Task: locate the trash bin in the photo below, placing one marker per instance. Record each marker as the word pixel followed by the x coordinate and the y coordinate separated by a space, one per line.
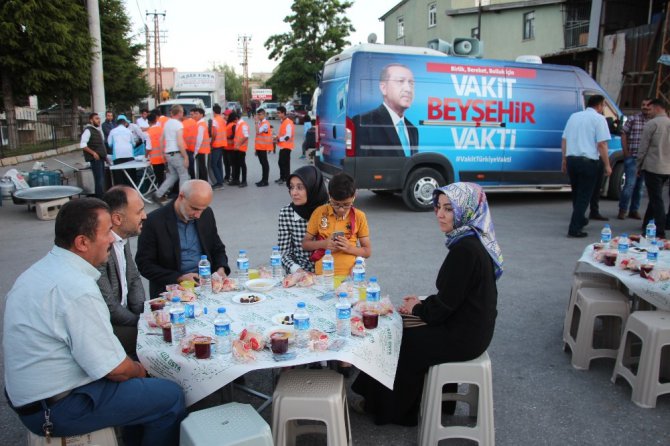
pixel 85 180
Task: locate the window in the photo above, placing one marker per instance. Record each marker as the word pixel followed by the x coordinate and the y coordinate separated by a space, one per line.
pixel 474 33
pixel 401 27
pixel 529 25
pixel 432 15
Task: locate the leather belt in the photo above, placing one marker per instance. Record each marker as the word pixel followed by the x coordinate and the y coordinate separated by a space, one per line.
pixel 172 153
pixel 33 408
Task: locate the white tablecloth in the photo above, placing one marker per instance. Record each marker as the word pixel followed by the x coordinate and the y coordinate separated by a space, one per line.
pixel 376 354
pixel 656 293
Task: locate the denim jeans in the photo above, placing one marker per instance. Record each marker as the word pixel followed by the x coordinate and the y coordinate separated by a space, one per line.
pixel 217 166
pixel 632 189
pixel 98 170
pixel 150 409
pixel 583 173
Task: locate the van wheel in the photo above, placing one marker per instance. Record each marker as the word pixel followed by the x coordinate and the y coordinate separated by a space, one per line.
pixel 616 182
pixel 418 191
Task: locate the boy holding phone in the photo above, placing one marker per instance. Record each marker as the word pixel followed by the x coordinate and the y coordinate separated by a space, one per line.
pixel 340 227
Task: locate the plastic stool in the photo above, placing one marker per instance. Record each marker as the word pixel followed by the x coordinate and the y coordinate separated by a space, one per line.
pixel 103 437
pixel 480 400
pixel 584 280
pixel 310 395
pixel 592 303
pixel 232 424
pixel 644 372
pixel 48 210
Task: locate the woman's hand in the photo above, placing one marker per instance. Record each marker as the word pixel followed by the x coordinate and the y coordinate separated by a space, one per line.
pixel 408 304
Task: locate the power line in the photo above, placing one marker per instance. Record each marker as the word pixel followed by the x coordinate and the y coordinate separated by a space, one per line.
pixel 137 2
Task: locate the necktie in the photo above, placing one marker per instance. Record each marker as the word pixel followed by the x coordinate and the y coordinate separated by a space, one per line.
pixel 403 137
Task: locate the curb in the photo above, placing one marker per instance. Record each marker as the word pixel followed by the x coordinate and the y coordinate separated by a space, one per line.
pixel 14 160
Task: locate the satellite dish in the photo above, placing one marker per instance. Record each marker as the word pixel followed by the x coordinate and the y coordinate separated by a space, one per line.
pixel 372 38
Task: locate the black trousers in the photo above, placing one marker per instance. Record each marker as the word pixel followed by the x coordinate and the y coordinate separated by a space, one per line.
pixel 265 166
pixel 120 177
pixel 227 163
pixel 583 173
pixel 159 171
pixel 656 208
pixel 594 206
pixel 284 164
pixel 239 165
pixel 201 159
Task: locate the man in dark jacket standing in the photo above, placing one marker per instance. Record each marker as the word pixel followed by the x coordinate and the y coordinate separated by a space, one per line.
pixel 95 152
pixel 176 235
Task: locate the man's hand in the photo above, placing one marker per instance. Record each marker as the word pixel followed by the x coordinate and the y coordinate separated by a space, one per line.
pixel 608 170
pixel 186 162
pixel 193 277
pixel 222 272
pixel 96 156
pixel 564 165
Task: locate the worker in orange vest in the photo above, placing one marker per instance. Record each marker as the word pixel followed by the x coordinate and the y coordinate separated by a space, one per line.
pixel 201 148
pixel 240 141
pixel 160 118
pixel 154 151
pixel 219 142
pixel 229 148
pixel 190 134
pixel 263 145
pixel 285 142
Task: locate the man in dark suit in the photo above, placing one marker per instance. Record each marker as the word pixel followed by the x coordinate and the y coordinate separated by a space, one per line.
pixel 120 282
pixel 385 131
pixel 176 235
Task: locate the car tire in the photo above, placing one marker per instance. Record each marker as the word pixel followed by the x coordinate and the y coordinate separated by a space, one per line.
pixel 616 182
pixel 418 191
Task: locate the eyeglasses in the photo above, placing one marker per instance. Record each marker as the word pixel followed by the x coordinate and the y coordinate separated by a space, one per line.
pixel 298 187
pixel 337 205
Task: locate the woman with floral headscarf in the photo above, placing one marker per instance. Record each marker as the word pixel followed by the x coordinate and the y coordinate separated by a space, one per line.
pixel 454 325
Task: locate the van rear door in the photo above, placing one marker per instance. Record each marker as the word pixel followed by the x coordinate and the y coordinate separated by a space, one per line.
pixel 331 112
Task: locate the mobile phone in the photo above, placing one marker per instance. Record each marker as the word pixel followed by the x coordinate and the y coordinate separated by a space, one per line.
pixel 337 234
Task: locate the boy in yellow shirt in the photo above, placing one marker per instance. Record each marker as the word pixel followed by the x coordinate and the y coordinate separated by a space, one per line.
pixel 340 227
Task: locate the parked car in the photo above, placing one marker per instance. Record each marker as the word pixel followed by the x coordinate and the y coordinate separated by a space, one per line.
pixel 234 106
pixel 55 113
pixel 270 109
pixel 297 113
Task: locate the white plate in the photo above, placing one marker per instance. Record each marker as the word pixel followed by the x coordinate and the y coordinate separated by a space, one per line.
pixel 279 317
pixel 238 297
pixel 284 328
pixel 259 284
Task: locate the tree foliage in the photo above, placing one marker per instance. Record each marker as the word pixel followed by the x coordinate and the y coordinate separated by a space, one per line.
pixel 319 30
pixel 233 83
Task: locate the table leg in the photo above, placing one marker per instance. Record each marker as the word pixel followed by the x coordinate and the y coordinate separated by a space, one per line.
pixel 136 186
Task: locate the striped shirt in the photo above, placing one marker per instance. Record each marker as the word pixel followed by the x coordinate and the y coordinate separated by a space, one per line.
pixel 292 229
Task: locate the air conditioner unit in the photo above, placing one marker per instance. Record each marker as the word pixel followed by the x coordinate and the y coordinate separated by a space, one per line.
pixel 439 45
pixel 467 47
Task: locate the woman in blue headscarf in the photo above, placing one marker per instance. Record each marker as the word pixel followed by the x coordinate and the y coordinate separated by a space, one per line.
pixel 454 325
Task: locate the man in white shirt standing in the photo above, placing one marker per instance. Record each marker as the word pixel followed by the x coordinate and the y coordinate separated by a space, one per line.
pixel 584 141
pixel 142 121
pixel 65 372
pixel 175 153
pixel 121 141
pixel 120 282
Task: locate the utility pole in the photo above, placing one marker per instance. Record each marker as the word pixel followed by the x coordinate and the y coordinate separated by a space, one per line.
pixel 97 81
pixel 158 68
pixel 243 40
pixel 147 48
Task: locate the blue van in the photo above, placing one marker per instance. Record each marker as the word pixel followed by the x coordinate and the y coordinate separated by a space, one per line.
pixel 406 119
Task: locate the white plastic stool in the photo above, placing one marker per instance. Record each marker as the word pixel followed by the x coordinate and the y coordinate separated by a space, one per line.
pixel 653 329
pixel 480 400
pixel 232 424
pixel 584 280
pixel 48 210
pixel 310 395
pixel 592 303
pixel 103 437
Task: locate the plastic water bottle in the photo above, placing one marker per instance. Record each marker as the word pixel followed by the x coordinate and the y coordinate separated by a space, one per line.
pixel 275 264
pixel 624 243
pixel 301 324
pixel 343 315
pixel 359 279
pixel 178 320
pixel 328 268
pixel 650 233
pixel 652 252
pixel 373 291
pixel 243 266
pixel 205 273
pixel 222 332
pixel 606 236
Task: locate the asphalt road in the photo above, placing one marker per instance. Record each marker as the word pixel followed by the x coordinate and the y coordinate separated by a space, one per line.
pixel 539 398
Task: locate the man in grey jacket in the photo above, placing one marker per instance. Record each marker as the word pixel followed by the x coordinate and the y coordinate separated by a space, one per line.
pixel 120 282
pixel 653 161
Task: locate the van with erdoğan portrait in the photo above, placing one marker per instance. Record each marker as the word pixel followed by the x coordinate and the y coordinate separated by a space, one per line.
pixel 407 120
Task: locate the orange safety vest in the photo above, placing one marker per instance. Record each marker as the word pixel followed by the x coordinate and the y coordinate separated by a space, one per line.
pixel 204 145
pixel 230 136
pixel 239 135
pixel 162 120
pixel 190 133
pixel 282 134
pixel 155 155
pixel 221 138
pixel 263 140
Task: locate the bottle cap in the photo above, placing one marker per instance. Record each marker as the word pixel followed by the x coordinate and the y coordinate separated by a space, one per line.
pixel 176 299
pixel 342 295
pixel 275 248
pixel 203 257
pixel 221 310
pixel 328 252
pixel 373 279
pixel 607 225
pixel 359 262
pixel 301 304
pixel 624 235
pixel 651 222
pixel 243 251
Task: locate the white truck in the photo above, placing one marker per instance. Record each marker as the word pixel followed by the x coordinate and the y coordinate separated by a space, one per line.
pixel 208 86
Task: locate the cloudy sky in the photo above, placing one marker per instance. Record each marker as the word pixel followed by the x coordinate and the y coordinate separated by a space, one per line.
pixel 203 32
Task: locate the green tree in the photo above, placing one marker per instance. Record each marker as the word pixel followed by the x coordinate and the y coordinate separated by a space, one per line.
pixel 233 83
pixel 125 84
pixel 318 31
